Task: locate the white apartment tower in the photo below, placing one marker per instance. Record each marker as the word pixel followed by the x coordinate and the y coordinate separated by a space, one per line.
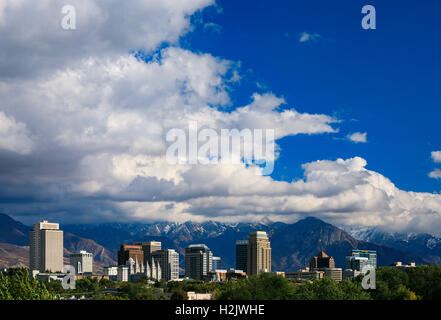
pixel 82 262
pixel 46 247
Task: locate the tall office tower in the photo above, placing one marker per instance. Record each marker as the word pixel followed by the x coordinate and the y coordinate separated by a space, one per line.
pixel 322 260
pixel 217 263
pixel 361 259
pixel 46 247
pixel 127 251
pixel 148 248
pixel 168 261
pixel 82 262
pixel 198 261
pixel 242 255
pixel 259 253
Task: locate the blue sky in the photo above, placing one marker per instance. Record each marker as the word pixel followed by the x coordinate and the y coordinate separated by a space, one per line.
pixel 385 82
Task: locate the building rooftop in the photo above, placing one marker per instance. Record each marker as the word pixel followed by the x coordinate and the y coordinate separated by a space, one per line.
pixel 322 254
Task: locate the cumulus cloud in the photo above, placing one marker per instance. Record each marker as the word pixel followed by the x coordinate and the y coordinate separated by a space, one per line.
pixel 33 40
pixel 436 156
pixel 14 136
pixel 358 137
pixel 436 174
pixel 343 192
pixel 306 36
pixel 98 116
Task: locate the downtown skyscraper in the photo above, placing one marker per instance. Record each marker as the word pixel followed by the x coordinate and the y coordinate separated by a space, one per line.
pixel 259 253
pixel 198 261
pixel 46 247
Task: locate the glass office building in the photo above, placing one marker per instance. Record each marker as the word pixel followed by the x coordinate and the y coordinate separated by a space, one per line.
pixel 361 259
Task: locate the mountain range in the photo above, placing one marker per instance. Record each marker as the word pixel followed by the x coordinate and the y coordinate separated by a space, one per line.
pixel 422 244
pixel 293 245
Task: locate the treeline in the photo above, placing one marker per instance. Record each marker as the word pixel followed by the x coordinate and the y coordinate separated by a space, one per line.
pixel 419 283
pixel 17 285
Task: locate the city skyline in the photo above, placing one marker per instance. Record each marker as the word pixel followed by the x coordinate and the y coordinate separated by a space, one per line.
pixel 163 264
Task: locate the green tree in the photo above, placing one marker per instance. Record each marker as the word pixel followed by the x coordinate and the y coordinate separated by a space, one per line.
pixel 425 281
pixel 87 285
pixel 352 290
pixel 4 287
pixel 320 289
pixel 20 286
pixel 136 291
pixel 329 289
pixel 391 284
pixel 179 294
pixel 106 283
pixel 264 286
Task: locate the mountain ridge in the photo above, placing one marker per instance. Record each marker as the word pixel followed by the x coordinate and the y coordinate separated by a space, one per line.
pixel 293 245
pixel 221 238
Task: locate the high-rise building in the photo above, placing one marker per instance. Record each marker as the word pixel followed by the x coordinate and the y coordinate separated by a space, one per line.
pixel 326 264
pixel 148 248
pixel 130 251
pixel 259 253
pixel 46 247
pixel 217 263
pixel 82 261
pixel 333 273
pixel 168 261
pixel 322 260
pixel 122 274
pixel 359 260
pixel 242 255
pixel 198 261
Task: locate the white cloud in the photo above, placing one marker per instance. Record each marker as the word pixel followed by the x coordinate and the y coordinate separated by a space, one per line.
pixel 343 192
pixel 14 136
pixel 213 27
pixel 358 137
pixel 436 156
pixel 33 41
pixel 305 37
pixel 436 174
pixel 101 126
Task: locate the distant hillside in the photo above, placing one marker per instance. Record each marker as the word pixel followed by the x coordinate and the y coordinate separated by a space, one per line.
pixel 13 232
pixel 293 245
pixel 12 255
pixel 101 256
pixel 422 244
pixel 14 246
